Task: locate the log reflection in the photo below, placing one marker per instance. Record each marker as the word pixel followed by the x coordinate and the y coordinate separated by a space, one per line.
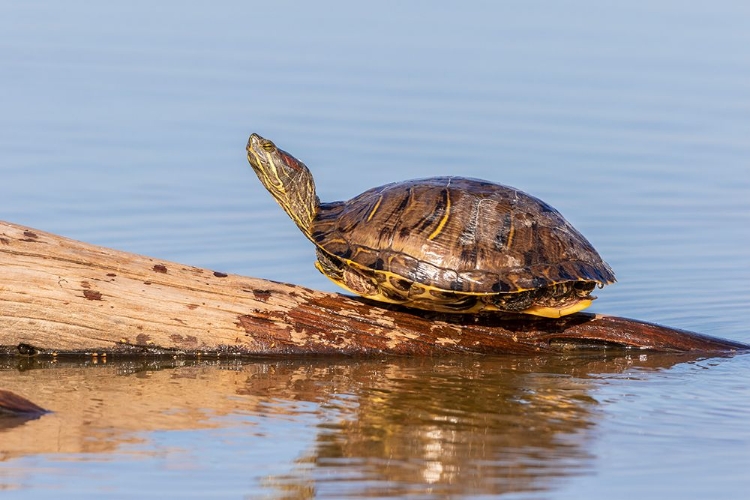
pixel 381 427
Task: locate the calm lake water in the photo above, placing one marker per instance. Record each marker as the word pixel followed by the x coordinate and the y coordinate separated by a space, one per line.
pixel 124 125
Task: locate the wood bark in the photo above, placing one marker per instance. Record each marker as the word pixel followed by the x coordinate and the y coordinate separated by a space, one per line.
pixel 61 296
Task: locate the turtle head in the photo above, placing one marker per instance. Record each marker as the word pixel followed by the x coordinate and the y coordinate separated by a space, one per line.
pixel 287 179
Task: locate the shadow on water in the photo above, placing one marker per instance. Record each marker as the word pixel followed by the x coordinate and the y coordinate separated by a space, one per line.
pixel 392 426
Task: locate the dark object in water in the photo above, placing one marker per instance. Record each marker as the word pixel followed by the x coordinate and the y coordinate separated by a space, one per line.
pixel 11 404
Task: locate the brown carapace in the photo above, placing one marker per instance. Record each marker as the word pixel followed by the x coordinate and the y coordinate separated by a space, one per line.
pixel 447 244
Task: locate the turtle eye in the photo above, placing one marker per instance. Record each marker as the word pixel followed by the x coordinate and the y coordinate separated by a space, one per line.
pixel 268 146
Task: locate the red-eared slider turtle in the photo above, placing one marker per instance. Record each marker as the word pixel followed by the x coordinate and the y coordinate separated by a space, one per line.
pixel 447 244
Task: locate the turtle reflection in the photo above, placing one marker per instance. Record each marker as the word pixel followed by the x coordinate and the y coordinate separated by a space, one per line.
pixel 444 427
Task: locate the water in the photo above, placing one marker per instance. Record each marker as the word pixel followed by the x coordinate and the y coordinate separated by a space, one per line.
pixel 462 426
pixel 124 125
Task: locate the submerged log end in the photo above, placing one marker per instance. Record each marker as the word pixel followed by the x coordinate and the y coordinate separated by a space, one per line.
pixel 631 333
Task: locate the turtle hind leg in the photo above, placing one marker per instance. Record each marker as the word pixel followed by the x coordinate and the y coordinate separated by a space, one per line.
pixel 553 301
pixel 561 299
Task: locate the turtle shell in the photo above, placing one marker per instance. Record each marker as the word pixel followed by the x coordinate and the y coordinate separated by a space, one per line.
pixel 458 235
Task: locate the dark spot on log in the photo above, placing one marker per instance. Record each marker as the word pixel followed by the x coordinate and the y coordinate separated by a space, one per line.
pixel 270 331
pixel 262 295
pixel 188 340
pixel 30 234
pixel 160 268
pixel 220 274
pixel 142 339
pixel 27 349
pixel 92 295
pixel 111 275
pixel 85 284
pixel 146 282
pixel 4 241
pixel 192 306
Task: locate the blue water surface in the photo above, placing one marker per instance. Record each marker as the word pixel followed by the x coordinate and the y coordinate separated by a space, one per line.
pixel 124 125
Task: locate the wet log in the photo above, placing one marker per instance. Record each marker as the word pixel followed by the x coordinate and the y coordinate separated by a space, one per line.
pixel 61 296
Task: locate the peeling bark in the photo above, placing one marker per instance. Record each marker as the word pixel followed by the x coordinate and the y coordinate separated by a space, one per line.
pixel 63 296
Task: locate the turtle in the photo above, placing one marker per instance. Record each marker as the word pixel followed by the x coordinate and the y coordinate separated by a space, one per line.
pixel 442 244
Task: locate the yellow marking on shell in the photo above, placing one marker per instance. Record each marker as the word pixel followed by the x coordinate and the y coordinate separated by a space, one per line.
pixel 543 311
pixel 445 218
pixel 557 312
pixel 377 297
pixel 510 234
pixel 333 241
pixel 375 208
pixel 383 298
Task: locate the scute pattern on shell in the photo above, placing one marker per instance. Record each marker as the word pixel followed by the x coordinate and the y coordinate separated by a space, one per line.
pixel 459 234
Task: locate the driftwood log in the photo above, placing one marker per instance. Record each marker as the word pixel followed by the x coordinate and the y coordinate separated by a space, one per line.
pixel 61 296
